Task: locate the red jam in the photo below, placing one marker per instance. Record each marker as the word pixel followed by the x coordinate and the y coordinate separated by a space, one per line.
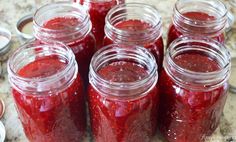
pixel 156 48
pixel 51 117
pixel 98 11
pixel 82 48
pixel 186 115
pixel 121 119
pixel 198 16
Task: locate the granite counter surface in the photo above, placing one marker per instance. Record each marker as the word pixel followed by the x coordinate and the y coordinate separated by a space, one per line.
pixel 12 10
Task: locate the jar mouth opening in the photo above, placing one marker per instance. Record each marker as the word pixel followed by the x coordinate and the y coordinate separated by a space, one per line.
pixel 217 6
pixel 123 52
pixel 211 48
pixel 29 52
pixel 80 13
pixel 145 13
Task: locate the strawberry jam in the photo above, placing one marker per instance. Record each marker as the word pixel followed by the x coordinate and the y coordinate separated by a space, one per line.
pixel 48 94
pixel 174 33
pixel 119 111
pixel 193 94
pixel 133 23
pixel 98 11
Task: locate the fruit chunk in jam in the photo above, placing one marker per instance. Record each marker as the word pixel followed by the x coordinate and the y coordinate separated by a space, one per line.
pixel 117 118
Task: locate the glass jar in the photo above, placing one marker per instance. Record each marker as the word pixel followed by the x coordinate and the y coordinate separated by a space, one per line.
pixel 136 23
pixel 48 92
pixel 194 88
pixel 98 10
pixel 69 23
pixel 123 95
pixel 202 18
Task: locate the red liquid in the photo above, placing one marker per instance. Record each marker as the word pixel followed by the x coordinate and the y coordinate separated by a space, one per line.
pixel 198 16
pixel 82 48
pixel 156 48
pixel 186 115
pixel 51 117
pixel 98 11
pixel 117 119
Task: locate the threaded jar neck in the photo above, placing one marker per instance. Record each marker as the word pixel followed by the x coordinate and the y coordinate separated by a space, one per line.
pixel 33 51
pixel 120 52
pixel 144 13
pixel 68 10
pixel 192 79
pixel 200 17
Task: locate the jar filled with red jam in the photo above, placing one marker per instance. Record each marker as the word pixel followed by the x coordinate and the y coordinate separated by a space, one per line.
pixel 48 92
pixel 98 10
pixel 123 95
pixel 69 23
pixel 138 24
pixel 201 18
pixel 194 89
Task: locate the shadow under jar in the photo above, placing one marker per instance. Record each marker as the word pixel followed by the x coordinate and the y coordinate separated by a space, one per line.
pixel 138 24
pixel 68 23
pixel 123 95
pixel 201 18
pixel 48 92
pixel 194 89
pixel 98 10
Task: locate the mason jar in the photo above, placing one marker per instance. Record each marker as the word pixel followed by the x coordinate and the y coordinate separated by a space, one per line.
pixel 194 88
pixel 98 10
pixel 123 94
pixel 48 92
pixel 69 23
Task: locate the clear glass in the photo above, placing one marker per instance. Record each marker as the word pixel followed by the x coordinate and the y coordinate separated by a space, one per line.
pixel 69 23
pixel 205 18
pixel 48 92
pixel 123 102
pixel 138 24
pixel 194 88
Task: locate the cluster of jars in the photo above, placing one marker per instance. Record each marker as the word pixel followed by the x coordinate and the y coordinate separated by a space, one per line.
pixel 129 86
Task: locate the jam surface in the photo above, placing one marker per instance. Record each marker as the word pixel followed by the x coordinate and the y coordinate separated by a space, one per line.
pixel 51 117
pixel 98 11
pixel 119 119
pixel 174 33
pixel 183 109
pixel 156 48
pixel 83 48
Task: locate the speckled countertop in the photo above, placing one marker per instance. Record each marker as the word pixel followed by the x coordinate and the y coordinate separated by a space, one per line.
pixel 12 10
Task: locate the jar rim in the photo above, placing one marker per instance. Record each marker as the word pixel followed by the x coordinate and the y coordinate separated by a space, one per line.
pixel 119 51
pixel 216 77
pixel 31 45
pixel 58 5
pixel 155 22
pixel 217 24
